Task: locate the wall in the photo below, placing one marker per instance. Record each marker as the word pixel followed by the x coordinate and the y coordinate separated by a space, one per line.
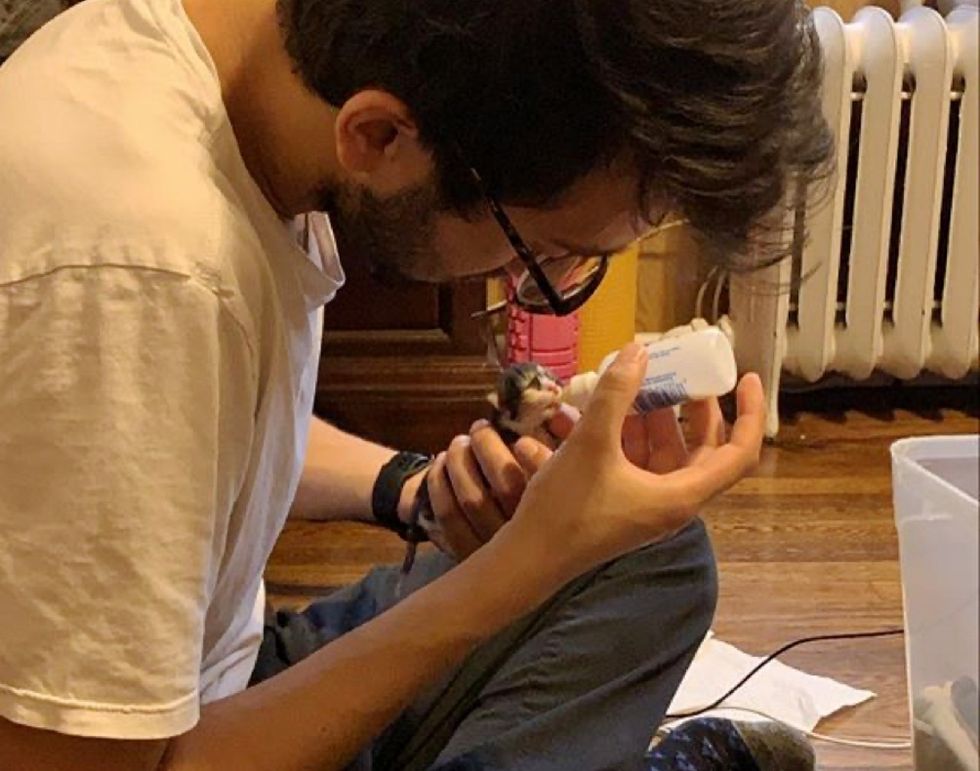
pixel 847 8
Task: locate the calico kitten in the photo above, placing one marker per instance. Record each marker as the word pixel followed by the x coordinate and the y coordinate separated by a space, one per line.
pixel 526 398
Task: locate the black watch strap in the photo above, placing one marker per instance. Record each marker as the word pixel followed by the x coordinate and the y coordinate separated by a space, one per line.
pixel 388 489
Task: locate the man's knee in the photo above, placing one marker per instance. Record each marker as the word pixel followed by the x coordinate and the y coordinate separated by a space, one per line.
pixel 675 581
pixel 651 607
pixel 606 660
pixel 687 559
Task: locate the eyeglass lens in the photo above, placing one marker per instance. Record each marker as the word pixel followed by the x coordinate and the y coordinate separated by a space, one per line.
pixel 568 275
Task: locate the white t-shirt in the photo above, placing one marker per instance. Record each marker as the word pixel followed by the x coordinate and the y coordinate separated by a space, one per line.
pixel 159 340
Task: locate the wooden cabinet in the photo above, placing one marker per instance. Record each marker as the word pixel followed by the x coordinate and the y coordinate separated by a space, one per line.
pixel 406 366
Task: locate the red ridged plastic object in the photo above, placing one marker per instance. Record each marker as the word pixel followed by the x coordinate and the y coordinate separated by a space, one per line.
pixel 549 340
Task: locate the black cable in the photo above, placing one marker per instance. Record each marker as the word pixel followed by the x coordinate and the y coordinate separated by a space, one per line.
pixel 773 656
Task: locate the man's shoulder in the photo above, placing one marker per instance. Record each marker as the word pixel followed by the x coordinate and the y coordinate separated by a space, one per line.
pixel 107 156
pixel 166 217
pixel 131 192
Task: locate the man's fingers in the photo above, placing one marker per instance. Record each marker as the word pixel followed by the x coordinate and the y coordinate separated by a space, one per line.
pixel 563 421
pixel 614 394
pixel 454 530
pixel 500 468
pixel 718 470
pixel 667 448
pixel 750 427
pixel 531 454
pixel 713 473
pixel 473 493
pixel 707 424
pixel 636 446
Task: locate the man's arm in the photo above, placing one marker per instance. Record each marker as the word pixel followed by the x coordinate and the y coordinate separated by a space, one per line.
pixel 325 709
pixel 340 470
pixel 321 712
pixel 338 475
pixel 588 504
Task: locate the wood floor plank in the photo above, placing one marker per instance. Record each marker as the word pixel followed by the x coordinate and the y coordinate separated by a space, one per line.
pixel 806 546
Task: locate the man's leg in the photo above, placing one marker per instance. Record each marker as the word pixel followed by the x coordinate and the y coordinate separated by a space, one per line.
pixel 583 687
pixel 291 636
pixel 581 683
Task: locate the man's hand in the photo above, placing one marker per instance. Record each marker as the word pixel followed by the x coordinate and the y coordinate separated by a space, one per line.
pixel 618 483
pixel 655 441
pixel 477 484
pixel 475 487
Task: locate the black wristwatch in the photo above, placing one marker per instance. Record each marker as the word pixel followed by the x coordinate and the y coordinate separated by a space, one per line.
pixel 388 491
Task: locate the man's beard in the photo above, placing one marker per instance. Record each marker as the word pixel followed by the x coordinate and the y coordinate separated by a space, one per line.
pixel 395 236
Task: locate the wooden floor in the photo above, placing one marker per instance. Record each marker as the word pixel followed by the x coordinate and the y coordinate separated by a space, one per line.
pixel 807 546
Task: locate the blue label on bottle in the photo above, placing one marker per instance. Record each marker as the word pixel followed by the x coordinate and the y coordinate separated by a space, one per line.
pixel 659 392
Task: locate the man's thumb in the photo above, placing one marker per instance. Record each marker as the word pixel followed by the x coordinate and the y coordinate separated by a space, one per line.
pixel 614 393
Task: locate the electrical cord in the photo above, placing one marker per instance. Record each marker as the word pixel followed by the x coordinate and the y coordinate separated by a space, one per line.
pixel 719 702
pixel 716 302
pixel 702 290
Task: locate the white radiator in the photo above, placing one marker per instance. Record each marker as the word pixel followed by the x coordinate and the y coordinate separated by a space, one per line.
pixel 891 266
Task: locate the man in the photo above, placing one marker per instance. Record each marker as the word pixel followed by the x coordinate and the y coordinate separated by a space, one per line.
pixel 159 335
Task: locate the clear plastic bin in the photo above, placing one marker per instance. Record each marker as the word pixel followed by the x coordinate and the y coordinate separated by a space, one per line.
pixel 935 482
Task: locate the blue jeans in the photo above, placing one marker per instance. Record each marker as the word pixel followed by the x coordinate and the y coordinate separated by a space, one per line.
pixel 581 683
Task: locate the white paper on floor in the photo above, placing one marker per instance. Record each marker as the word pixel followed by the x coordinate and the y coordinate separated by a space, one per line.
pixel 788 694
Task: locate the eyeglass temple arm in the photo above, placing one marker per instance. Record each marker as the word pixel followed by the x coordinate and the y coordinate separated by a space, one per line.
pixel 517 244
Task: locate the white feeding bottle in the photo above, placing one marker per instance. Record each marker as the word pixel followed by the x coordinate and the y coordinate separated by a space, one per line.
pixel 688 367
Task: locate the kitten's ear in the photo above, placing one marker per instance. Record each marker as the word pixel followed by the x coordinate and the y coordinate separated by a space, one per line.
pixel 494 399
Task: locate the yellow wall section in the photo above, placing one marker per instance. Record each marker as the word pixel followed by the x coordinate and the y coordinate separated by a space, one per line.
pixel 847 8
pixel 670 273
pixel 608 319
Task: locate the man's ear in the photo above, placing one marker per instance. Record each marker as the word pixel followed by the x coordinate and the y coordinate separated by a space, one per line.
pixel 377 142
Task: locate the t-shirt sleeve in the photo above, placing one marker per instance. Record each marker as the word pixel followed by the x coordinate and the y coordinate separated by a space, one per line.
pixel 127 402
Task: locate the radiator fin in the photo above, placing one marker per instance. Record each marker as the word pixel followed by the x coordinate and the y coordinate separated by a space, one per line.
pixel 891 278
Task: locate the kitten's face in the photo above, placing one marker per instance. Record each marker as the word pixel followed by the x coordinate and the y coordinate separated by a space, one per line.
pixel 527 397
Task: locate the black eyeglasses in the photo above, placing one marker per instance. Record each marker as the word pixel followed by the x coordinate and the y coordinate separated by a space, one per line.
pixel 556 286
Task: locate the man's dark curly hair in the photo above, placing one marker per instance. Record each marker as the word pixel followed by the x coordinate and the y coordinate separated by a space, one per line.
pixel 713 103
